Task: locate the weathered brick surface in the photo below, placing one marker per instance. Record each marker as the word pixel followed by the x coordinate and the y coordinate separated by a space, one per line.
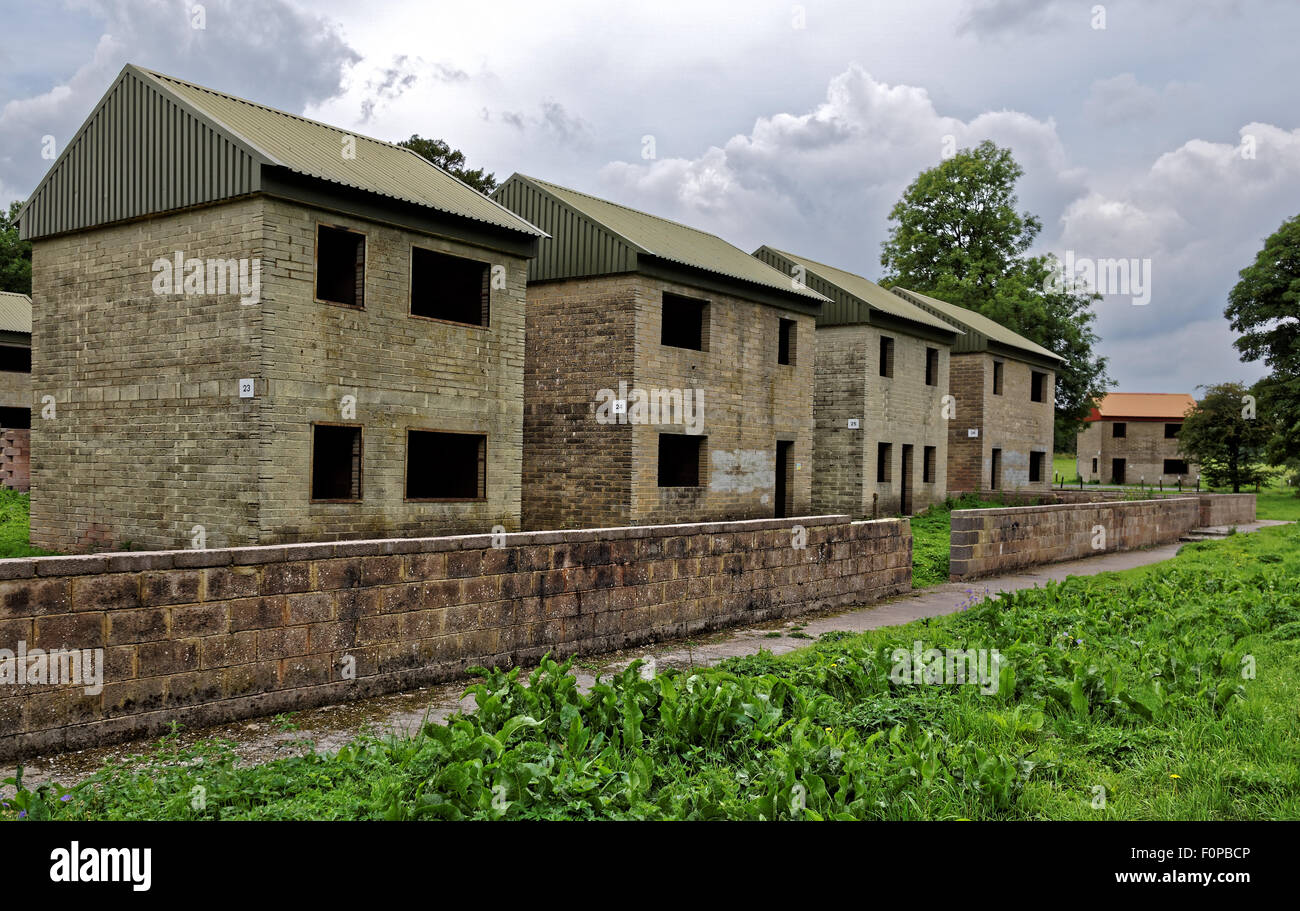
pixel 1011 422
pixel 272 629
pixel 150 438
pixel 15 458
pixel 990 541
pixel 900 410
pixel 585 335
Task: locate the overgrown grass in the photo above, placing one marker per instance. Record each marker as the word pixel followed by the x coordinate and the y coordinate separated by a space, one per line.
pixel 1063 463
pixel 15 525
pixel 931 534
pixel 1170 690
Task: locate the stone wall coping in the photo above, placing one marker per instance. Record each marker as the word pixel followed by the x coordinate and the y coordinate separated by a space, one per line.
pixel 146 560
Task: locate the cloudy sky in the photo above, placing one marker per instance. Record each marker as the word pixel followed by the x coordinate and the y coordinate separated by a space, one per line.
pixel 1149 130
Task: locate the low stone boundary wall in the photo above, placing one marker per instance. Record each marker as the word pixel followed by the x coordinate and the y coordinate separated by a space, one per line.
pixel 1216 508
pixel 208 636
pixel 1227 509
pixel 990 541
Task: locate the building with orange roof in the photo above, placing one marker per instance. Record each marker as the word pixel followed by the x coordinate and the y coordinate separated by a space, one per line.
pixel 1132 437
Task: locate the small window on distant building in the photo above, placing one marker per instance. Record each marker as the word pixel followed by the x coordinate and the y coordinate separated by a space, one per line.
pixel 449 288
pixel 16 418
pixel 681 457
pixel 335 462
pixel 931 366
pixel 15 359
pixel 685 322
pixel 1171 431
pixel 1119 429
pixel 445 466
pixel 928 465
pixel 997 377
pixel 1036 466
pixel 1175 466
pixel 340 266
pixel 1094 466
pixel 785 345
pixel 1037 386
pixel 886 356
pixel 995 470
pixel 884 460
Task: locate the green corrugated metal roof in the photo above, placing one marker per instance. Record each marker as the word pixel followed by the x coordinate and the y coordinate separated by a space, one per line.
pixel 316 149
pixel 15 312
pixel 155 144
pixel 863 291
pixel 978 326
pixel 668 240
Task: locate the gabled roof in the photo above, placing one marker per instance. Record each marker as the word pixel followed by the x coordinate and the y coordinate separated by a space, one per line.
pixel 593 236
pixel 1142 406
pixel 982 333
pixel 15 312
pixel 156 143
pixel 858 296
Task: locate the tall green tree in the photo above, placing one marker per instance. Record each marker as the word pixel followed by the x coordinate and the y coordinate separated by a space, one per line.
pixel 1226 436
pixel 452 161
pixel 1264 307
pixel 957 235
pixel 15 254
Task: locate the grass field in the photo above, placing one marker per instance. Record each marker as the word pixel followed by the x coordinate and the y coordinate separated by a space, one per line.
pixel 14 525
pixel 1166 692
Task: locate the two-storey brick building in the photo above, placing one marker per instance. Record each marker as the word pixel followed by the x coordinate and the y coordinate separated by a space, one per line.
pixel 881 439
pixel 668 375
pixel 15 388
pixel 255 328
pixel 1004 395
pixel 1132 438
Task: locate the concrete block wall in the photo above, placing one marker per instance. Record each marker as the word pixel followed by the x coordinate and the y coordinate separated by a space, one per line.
pixel 587 335
pixel 208 636
pixel 899 410
pixel 986 542
pixel 147 435
pixel 1011 422
pixel 405 372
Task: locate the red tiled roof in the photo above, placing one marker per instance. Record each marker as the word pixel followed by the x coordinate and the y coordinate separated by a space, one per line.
pixel 1142 406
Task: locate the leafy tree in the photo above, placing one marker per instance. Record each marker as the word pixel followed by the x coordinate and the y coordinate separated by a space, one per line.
pixel 452 161
pixel 1264 306
pixel 1225 438
pixel 15 254
pixel 957 236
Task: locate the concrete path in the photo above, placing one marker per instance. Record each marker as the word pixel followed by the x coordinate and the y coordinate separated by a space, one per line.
pixel 331 727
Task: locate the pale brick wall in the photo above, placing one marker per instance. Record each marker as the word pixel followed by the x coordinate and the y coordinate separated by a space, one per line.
pixel 586 335
pixel 151 437
pixel 15 389
pixel 1011 422
pixel 205 637
pixel 1143 447
pixel 900 410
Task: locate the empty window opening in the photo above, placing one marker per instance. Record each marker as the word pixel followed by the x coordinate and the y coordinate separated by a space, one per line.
pixel 685 322
pixel 931 366
pixel 997 377
pixel 1094 466
pixel 335 462
pixel 886 356
pixel 340 266
pixel 1036 466
pixel 1175 466
pixel 1119 429
pixel 884 460
pixel 450 288
pixel 681 458
pixel 16 418
pixel 929 458
pixel 995 470
pixel 1171 431
pixel 785 345
pixel 445 466
pixel 1038 386
pixel 15 359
